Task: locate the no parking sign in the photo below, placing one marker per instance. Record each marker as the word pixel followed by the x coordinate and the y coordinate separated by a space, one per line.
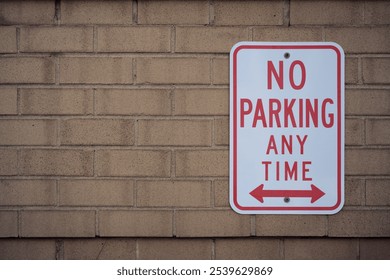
pixel 286 128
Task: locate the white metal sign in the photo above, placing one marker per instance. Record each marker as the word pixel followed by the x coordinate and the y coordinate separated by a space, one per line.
pixel 286 128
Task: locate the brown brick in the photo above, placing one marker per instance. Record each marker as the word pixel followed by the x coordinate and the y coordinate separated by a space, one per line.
pixel 290 225
pixel 56 162
pixel 8 104
pixel 354 131
pixel 96 70
pixel 96 12
pixel 96 192
pixel 133 163
pixel 27 249
pixel 378 131
pixel 376 12
pixel 320 249
pixel 174 132
pixel 173 70
pixel 360 40
pixel 221 193
pixel 27 12
pixel 8 162
pixel 27 192
pixel 220 71
pixel 201 102
pixel 56 101
pixel 56 39
pixel 354 191
pixel 326 12
pixel 55 223
pixel 375 249
pixel 211 223
pixel 376 70
pixel 9 224
pixel 378 192
pixel 99 249
pixel 221 131
pixel 173 194
pixel 247 249
pixel 175 249
pixel 8 39
pixel 97 132
pixel 209 39
pixel 289 34
pixel 202 163
pixel 248 12
pixel 133 102
pixel 135 223
pixel 365 223
pixel 351 70
pixel 26 70
pixel 367 161
pixel 367 102
pixel 134 39
pixel 173 12
pixel 28 132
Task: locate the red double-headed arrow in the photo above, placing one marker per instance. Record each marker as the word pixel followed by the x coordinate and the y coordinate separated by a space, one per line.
pixel 315 193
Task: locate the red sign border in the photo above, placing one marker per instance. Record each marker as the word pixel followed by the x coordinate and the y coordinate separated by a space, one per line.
pixel 339 132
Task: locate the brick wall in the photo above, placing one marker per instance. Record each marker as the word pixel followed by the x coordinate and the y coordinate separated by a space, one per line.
pixel 114 129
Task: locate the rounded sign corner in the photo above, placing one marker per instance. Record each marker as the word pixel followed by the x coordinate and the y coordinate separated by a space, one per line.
pixel 337 46
pixel 237 46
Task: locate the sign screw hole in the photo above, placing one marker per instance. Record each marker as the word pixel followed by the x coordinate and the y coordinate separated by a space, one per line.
pixel 286 199
pixel 287 55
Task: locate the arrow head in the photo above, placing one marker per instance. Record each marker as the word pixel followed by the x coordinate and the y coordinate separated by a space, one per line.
pixel 316 193
pixel 258 193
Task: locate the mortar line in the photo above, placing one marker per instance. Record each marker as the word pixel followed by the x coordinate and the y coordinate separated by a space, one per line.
pixel 135 12
pixel 136 249
pixel 211 76
pixel 97 233
pixel 286 13
pixel 95 39
pixel 94 102
pixel 174 223
pixel 172 95
pixel 360 71
pixel 253 225
pixel 94 164
pixel 57 182
pixel 18 40
pixel 135 193
pixel 57 12
pixel 212 64
pixel 18 106
pixel 59 243
pixel 213 253
pixel 250 33
pixel 136 132
pixel 57 70
pixel 327 226
pixel 282 249
pixel 173 39
pixel 365 192
pixel 212 193
pixel 173 164
pixel 214 134
pixel 58 136
pixel 211 13
pixel 358 249
pixel 134 69
pixel 19 222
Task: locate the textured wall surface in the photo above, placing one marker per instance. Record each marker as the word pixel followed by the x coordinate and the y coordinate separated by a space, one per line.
pixel 114 132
